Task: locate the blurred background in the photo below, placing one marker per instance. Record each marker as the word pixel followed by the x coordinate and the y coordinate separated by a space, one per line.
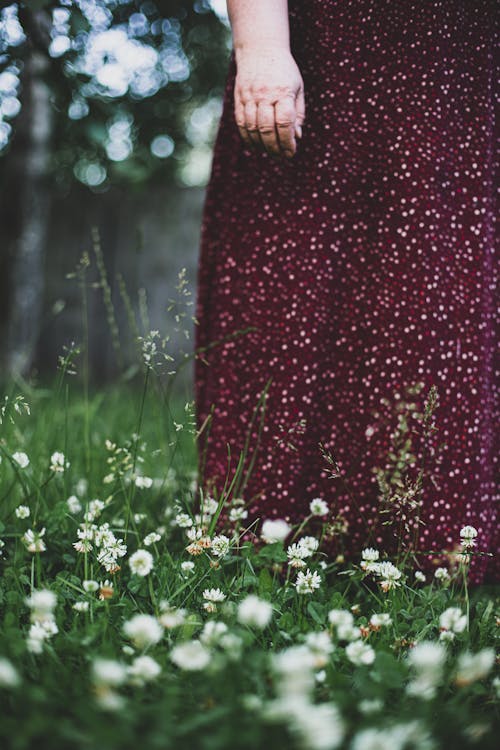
pixel 108 112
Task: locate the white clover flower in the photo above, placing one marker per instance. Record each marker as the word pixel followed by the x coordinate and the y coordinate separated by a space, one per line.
pixel 39 632
pixel 441 574
pixel 316 726
pixel 419 576
pixel 171 617
pixel 74 504
pixel 143 630
pixel 9 676
pixel 307 582
pixel 338 617
pixel 183 520
pixel 220 545
pixel 274 531
pixel 369 558
pixel 143 669
pixel 90 586
pixel 389 574
pixel 320 645
pixel 296 554
pixel 232 645
pixel 453 619
pixel 33 540
pixel 141 562
pixel 2 545
pixel 427 659
pixel 212 632
pixel 143 482
pixel 309 543
pixel 22 511
pixel 81 606
pixel 237 514
pixel 473 667
pixel 187 566
pixel 210 506
pixel 318 507
pixel 191 656
pixel 380 620
pixel 58 462
pixel 21 459
pixel 371 706
pixel 468 536
pixel 214 595
pixel 295 667
pixel 108 672
pixel 360 653
pixel 254 612
pixel 151 538
pixel 42 603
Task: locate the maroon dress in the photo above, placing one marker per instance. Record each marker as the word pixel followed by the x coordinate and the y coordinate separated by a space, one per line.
pixel 357 275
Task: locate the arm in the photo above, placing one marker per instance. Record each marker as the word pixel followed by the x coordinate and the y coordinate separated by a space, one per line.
pixel 269 104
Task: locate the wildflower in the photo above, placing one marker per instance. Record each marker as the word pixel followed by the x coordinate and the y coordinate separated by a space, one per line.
pixel 419 576
pixel 237 514
pixel 295 667
pixel 42 603
pixel 106 590
pixel 473 667
pixel 427 659
pixel 318 507
pixel 187 566
pixel 378 621
pixel 33 540
pixel 360 653
pixel 143 482
pixel 212 632
pixel 143 630
pixel 212 597
pixel 441 574
pixel 171 617
pixel 39 632
pixel 453 619
pixel 309 543
pixel 338 617
pixel 210 506
pixel 141 562
pixel 143 669
pixel 371 706
pixel 9 676
pixel 307 582
pixel 274 531
pixel 81 606
pixel 151 538
pixel 191 655
pixel 183 520
pixel 58 462
pixel 254 612
pixel 73 503
pixel 108 672
pixel 320 645
pixel 390 575
pixel 2 545
pixel 232 645
pixel 317 727
pixel 21 459
pixel 296 554
pixel 22 511
pixel 369 557
pixel 90 586
pixel 220 545
pixel 468 536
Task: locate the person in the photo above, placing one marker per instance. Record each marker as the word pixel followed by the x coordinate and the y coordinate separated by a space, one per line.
pixel 345 290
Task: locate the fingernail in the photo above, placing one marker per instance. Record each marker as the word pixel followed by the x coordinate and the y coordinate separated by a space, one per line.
pixel 298 129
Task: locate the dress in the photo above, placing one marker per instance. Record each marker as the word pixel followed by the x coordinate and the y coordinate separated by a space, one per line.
pixel 358 268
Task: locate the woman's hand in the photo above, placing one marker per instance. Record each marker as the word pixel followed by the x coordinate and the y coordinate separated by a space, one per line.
pixel 269 105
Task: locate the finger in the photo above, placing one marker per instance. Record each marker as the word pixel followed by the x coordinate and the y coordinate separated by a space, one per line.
pixel 285 115
pixel 239 116
pixel 267 129
pixel 300 107
pixel 251 123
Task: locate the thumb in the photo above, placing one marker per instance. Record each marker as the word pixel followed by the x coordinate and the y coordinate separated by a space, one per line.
pixel 300 108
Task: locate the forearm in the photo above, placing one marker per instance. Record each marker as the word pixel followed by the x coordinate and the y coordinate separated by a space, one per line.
pixel 259 24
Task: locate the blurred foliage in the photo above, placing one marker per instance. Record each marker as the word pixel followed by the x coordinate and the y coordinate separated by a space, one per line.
pixel 135 85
